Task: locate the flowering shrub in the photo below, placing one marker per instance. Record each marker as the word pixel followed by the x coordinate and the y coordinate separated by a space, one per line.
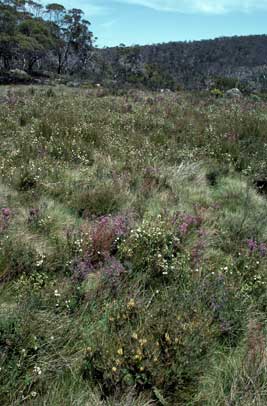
pixel 106 233
pixel 81 268
pixel 96 246
pixel 112 268
pixel 148 343
pixel 5 218
pixel 152 248
pixel 257 248
pixel 187 222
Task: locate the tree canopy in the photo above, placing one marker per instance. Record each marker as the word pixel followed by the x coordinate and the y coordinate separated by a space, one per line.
pixel 32 34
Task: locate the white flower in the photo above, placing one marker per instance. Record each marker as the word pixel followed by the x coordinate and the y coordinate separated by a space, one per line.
pixel 37 370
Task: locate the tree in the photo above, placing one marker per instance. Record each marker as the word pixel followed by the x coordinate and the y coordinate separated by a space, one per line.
pixel 29 32
pixel 7 34
pixel 77 39
pixel 73 37
pixel 56 13
pixel 36 9
pixel 34 40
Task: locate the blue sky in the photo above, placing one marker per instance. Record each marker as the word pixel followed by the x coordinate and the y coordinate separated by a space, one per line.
pixel 153 21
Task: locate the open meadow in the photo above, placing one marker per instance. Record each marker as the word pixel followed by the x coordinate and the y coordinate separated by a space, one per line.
pixel 133 248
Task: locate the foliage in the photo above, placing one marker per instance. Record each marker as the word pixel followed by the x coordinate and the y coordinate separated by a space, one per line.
pixel 27 36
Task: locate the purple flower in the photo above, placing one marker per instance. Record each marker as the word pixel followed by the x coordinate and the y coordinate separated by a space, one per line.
pixel 252 245
pixel 6 212
pixel 106 231
pixel 34 215
pixel 183 228
pixel 113 268
pixel 187 221
pixel 263 249
pixel 81 269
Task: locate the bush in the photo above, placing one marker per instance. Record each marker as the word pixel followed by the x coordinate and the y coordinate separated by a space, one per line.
pixel 105 199
pixel 216 92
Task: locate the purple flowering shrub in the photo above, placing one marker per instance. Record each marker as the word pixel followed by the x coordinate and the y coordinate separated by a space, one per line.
pixel 81 268
pixel 256 248
pixel 5 219
pixel 112 272
pixel 187 222
pixel 113 268
pixel 96 246
pixel 106 233
pixel 34 215
pixel 189 225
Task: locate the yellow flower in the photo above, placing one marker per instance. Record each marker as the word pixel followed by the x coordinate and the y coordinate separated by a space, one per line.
pixel 143 342
pixel 114 369
pixel 131 304
pixel 120 351
pixel 135 336
pixel 167 338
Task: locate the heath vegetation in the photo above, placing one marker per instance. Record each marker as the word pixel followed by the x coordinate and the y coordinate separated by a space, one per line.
pixel 133 248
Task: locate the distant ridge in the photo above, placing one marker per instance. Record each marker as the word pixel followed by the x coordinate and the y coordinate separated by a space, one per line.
pixel 191 64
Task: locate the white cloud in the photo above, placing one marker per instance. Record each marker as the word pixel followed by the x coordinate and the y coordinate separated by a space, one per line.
pixel 201 6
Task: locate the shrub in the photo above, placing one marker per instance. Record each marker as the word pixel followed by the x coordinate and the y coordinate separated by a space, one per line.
pixel 99 201
pixel 216 92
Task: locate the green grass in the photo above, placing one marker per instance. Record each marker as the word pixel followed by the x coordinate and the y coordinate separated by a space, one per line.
pixel 133 249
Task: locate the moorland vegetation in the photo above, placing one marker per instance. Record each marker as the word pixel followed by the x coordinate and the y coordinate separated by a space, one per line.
pixel 133 248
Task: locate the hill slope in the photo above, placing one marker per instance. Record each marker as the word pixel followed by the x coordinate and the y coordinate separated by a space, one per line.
pixel 191 65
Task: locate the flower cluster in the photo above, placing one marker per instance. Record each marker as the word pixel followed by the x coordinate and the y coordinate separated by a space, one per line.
pixel 187 221
pixel 113 268
pixel 81 268
pixel 106 233
pixel 152 247
pixel 257 248
pixel 5 218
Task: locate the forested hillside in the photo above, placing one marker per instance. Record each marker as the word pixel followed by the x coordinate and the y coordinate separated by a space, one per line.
pixel 197 64
pixel 50 40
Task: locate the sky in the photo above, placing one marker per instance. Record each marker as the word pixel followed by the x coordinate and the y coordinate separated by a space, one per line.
pixel 156 21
